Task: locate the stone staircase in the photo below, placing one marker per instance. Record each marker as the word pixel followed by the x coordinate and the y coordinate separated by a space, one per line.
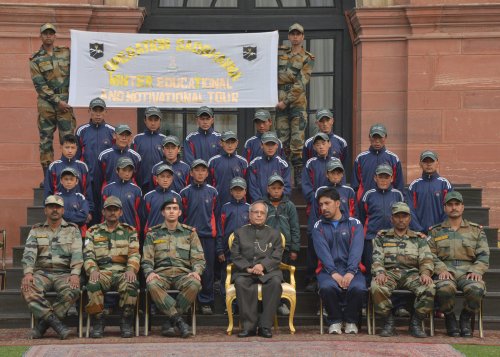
pixel 14 312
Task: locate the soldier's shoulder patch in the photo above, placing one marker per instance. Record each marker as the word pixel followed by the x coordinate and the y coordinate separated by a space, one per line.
pixel 71 224
pixel 128 227
pixel 37 225
pixel 382 232
pixel 436 226
pixel 390 244
pixel 476 225
pixel 283 48
pixel 440 238
pixel 150 229
pixel 310 55
pixel 36 54
pixel 421 235
pixel 189 228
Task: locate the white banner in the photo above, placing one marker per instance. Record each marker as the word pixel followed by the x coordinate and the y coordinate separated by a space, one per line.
pixel 173 70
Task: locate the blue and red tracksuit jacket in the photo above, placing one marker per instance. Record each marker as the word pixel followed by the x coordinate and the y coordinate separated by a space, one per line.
pixel 426 200
pixel 76 207
pixel 131 196
pixel 199 202
pixel 259 171
pixel 339 248
pixel 149 145
pixel 107 165
pixel 222 169
pixel 233 215
pixel 52 184
pixel 92 140
pixel 338 149
pixel 181 174
pixel 201 144
pixel 364 167
pixel 314 176
pixel 348 204
pixel 151 206
pixel 253 148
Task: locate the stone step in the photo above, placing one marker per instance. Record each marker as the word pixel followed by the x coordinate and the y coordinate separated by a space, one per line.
pixel 17 255
pixel 492 235
pixel 38 196
pixel 23 233
pixel 472 195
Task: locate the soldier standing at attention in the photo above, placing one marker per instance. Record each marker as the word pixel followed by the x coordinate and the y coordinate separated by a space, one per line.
pixel 49 68
pixel 462 257
pixel 52 260
pixel 294 71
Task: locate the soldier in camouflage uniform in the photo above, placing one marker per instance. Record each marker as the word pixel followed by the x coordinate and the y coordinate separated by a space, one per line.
pixel 111 261
pixel 49 68
pixel 294 71
pixel 402 259
pixel 52 260
pixel 461 257
pixel 173 259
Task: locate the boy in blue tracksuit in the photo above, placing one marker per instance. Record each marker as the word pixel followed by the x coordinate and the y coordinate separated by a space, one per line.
pixel 199 201
pixel 76 207
pixel 338 148
pixel 253 146
pixel 224 167
pixel 149 145
pixel 338 242
pixel 205 142
pixel 233 215
pixel 263 167
pixel 171 147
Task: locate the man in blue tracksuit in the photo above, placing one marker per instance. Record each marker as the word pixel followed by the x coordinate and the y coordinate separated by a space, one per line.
pixel 338 242
pixel 205 142
pixel 253 146
pixel 263 167
pixel 426 194
pixel 149 145
pixel 171 147
pixel 199 201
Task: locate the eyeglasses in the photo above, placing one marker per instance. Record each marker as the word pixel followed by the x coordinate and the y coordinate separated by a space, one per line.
pixel 258 212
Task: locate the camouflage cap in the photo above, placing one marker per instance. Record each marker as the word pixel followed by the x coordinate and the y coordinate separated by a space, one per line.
pixel 400 207
pixel 124 162
pixel 54 200
pixel 199 162
pixel 269 136
pixel 112 201
pixel 47 26
pixel 262 115
pixel 97 102
pixel 384 169
pixel 378 129
pixel 275 178
pixel 453 195
pixel 321 136
pixel 204 110
pixel 321 113
pixel 171 139
pixel 334 164
pixel 227 135
pixel 238 182
pixel 121 128
pixel 71 171
pixel 428 154
pixel 169 201
pixel 162 168
pixel 151 111
pixel 296 26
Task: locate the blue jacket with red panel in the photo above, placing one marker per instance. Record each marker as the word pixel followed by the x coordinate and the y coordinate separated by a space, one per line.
pixel 151 206
pixel 107 165
pixel 149 145
pixel 131 196
pixel 52 182
pixel 338 149
pixel 259 171
pixel 233 215
pixel 426 200
pixel 222 169
pixel 201 144
pixel 314 176
pixel 364 167
pixel 199 202
pixel 76 207
pixel 253 148
pixel 339 248
pixel 181 174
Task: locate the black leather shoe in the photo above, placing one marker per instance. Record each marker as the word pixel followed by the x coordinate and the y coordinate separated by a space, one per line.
pixel 246 333
pixel 265 332
pixel 465 326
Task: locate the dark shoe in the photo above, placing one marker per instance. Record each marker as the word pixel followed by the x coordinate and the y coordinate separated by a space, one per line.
pixel 451 325
pixel 297 176
pixel 39 329
pixel 265 332
pixel 465 328
pixel 97 326
pixel 167 329
pixel 416 326
pixel 58 326
pixel 312 286
pixel 246 333
pixel 182 326
pixel 388 329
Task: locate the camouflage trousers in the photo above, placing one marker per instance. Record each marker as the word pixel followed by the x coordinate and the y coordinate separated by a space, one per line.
pixel 50 119
pixel 188 287
pixel 290 126
pixel 45 282
pixel 447 289
pixel 109 280
pixel 381 294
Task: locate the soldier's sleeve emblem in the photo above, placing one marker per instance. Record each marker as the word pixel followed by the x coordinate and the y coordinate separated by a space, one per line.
pixel 96 50
pixel 250 52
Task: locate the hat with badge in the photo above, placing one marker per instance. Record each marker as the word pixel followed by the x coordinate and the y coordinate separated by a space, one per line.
pixel 171 139
pixel 269 136
pixel 384 169
pixel 334 164
pixel 47 26
pixel 428 154
pixel 262 115
pixel 275 178
pixel 123 162
pixel 121 128
pixel 238 182
pixel 321 136
pixel 228 135
pixel 97 102
pixel 199 162
pixel 162 168
pixel 71 171
pixel 205 110
pixel 112 201
pixel 400 207
pixel 296 26
pixel 322 113
pixel 169 201
pixel 453 195
pixel 378 129
pixel 152 111
pixel 54 200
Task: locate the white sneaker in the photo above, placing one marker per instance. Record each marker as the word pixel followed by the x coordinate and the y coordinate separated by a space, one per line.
pixel 335 328
pixel 351 328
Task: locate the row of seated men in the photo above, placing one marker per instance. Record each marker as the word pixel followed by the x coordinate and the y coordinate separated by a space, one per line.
pixel 454 256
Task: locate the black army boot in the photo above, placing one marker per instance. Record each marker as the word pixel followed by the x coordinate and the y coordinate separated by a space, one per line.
pixel 416 326
pixel 451 325
pixel 388 329
pixel 297 176
pixel 465 328
pixel 58 326
pixel 126 329
pixel 167 329
pixel 183 327
pixel 97 326
pixel 39 329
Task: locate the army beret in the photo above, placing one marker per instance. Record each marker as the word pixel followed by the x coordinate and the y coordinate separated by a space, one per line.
pixel 54 200
pixel 151 111
pixel 112 201
pixel 204 110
